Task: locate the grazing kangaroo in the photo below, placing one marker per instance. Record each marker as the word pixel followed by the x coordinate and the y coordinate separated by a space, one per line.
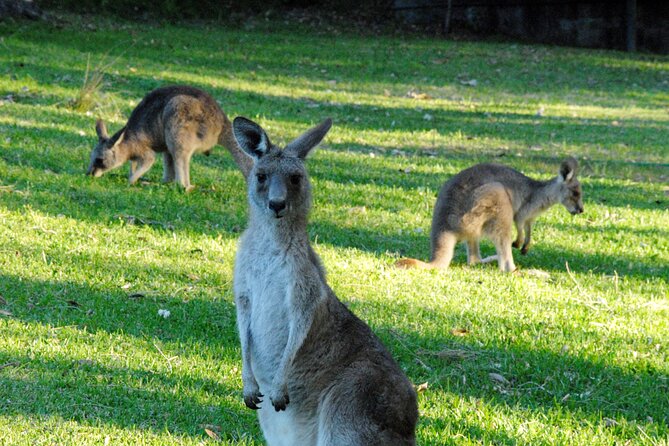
pixel 488 199
pixel 176 121
pixel 327 379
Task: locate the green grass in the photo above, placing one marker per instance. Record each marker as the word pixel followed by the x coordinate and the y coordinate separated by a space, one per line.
pixel 85 264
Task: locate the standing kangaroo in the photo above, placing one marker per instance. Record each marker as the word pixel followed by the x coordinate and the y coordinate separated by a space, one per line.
pixel 176 121
pixel 329 379
pixel 488 199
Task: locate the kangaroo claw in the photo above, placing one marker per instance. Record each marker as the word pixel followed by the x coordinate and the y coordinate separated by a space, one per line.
pixel 253 400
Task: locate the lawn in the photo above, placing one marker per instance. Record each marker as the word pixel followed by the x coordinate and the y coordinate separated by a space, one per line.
pixel 572 350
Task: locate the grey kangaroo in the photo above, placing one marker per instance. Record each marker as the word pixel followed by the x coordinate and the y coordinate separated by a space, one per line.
pixel 488 199
pixel 176 121
pixel 315 372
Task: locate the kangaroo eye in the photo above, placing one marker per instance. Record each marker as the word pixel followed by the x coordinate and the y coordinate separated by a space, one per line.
pixel 295 179
pixel 261 178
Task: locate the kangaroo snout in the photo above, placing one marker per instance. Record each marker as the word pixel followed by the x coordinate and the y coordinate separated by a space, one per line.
pixel 94 172
pixel 278 206
pixel 578 210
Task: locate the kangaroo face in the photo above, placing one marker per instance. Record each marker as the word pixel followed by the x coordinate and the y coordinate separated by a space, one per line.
pixel 280 185
pixel 104 156
pixel 570 190
pixel 571 198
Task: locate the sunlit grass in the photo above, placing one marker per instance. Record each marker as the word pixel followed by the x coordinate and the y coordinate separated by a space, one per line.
pixel 86 264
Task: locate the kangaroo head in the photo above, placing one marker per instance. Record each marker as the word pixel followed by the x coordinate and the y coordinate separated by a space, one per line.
pixel 278 183
pixel 570 187
pixel 105 155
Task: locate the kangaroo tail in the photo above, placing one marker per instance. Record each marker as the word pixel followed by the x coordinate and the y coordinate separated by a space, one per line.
pixel 412 263
pixel 227 140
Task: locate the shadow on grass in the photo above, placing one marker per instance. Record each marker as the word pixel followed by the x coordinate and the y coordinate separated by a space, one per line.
pixel 541 256
pixel 512 128
pixel 89 390
pixel 538 381
pixel 265 49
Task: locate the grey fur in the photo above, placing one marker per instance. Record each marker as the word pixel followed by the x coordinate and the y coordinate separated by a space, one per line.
pixel 327 380
pixel 488 199
pixel 176 121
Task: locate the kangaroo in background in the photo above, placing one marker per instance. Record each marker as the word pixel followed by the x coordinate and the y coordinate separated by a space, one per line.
pixel 330 380
pixel 176 121
pixel 488 199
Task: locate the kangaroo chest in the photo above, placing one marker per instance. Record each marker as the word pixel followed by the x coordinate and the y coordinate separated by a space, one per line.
pixel 269 280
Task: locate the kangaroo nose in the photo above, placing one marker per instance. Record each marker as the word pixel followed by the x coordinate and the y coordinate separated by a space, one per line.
pixel 277 205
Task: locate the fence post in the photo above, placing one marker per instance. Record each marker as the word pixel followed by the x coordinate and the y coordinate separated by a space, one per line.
pixel 630 21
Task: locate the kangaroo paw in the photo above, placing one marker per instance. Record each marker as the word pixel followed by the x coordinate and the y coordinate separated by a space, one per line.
pixel 280 401
pixel 253 399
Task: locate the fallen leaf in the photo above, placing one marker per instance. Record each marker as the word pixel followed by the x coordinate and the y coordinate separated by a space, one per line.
pixel 193 277
pixel 5 313
pixel 421 387
pixel 459 332
pixel 136 295
pixel 126 286
pixel 212 434
pixel 73 303
pixel 498 378
pixel 440 61
pixel 610 422
pixel 3 301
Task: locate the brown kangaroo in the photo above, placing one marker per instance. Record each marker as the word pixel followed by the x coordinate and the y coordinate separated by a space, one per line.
pixel 176 121
pixel 488 199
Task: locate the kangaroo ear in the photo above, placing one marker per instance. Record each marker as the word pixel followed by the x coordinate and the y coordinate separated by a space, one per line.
pixel 101 130
pixel 250 137
pixel 568 169
pixel 303 144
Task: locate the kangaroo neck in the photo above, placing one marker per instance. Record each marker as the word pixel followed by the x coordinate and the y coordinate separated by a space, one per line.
pixel 544 196
pixel 284 232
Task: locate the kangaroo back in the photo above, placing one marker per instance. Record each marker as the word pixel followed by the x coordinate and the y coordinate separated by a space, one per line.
pixel 315 372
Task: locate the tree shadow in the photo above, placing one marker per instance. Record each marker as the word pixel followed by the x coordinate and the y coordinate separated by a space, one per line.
pixel 542 255
pixel 537 380
pixel 103 388
pixel 264 50
pixel 527 129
